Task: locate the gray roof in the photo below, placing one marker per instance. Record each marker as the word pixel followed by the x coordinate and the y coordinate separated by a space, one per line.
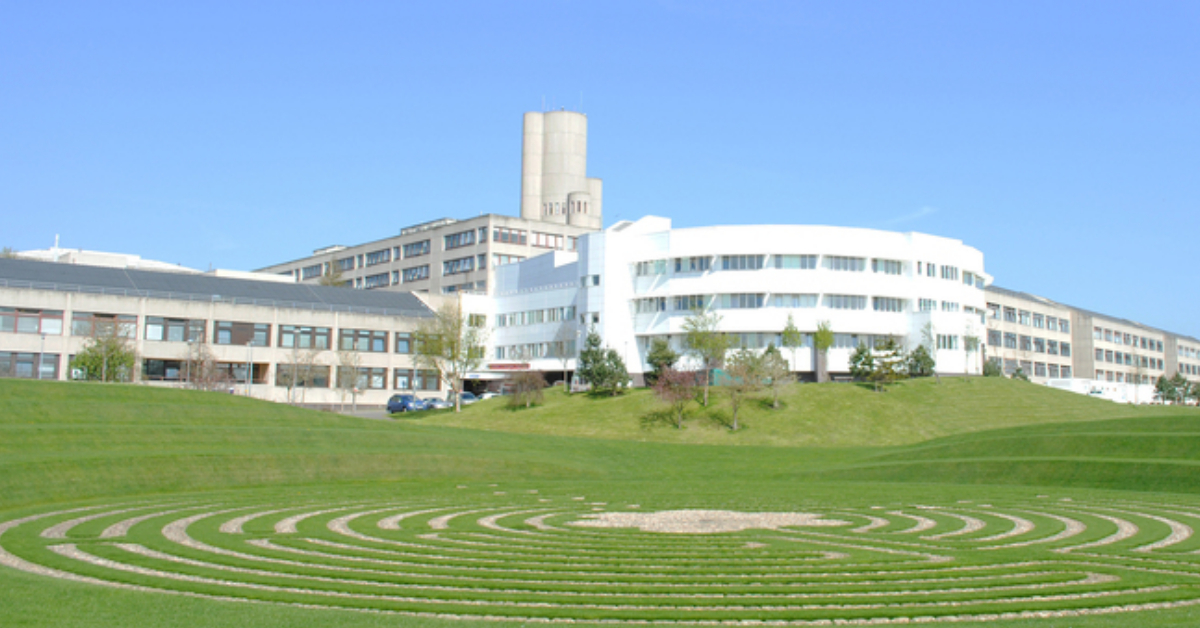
pixel 20 273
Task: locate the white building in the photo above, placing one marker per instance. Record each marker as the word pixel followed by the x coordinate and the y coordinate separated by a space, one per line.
pixel 637 281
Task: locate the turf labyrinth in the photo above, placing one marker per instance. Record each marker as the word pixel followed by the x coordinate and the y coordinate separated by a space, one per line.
pixel 572 558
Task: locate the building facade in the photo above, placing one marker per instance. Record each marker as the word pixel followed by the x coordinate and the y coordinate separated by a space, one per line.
pixel 314 345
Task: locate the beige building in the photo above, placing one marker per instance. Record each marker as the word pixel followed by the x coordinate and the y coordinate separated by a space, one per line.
pixel 268 339
pixel 1073 348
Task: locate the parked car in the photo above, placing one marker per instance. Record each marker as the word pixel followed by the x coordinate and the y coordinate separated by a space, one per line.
pixel 468 398
pixel 488 395
pixel 437 404
pixel 404 403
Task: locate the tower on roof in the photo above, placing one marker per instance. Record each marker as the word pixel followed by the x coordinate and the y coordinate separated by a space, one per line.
pixel 554 182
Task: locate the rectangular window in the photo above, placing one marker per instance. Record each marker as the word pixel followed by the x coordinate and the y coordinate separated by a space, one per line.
pixel 382 280
pixel 689 302
pixel 175 329
pixel 845 302
pixel 362 340
pixel 26 365
pixel 102 325
pixel 428 380
pixel 1010 340
pixel 403 342
pixel 240 334
pixel 795 262
pixel 416 249
pixel 1026 343
pixel 547 240
pixel 1064 326
pixel 928 305
pixel 416 273
pixel 652 304
pixel 1039 322
pixel 795 300
pixel 738 301
pixel 31 321
pixel 499 259
pixel 947 342
pixel 346 263
pixel 993 311
pixel 302 337
pixel 652 267
pixel 993 338
pixel 887 304
pixel 1039 369
pixel 302 375
pixel 458 240
pixel 1039 345
pixel 1052 347
pixel 852 264
pixel 311 272
pixel 887 266
pixel 379 257
pixel 459 266
pixel 1010 314
pixel 509 236
pixel 1024 317
pixel 402 379
pixel 741 262
pixel 930 269
pixel 950 272
pixel 950 306
pixel 692 264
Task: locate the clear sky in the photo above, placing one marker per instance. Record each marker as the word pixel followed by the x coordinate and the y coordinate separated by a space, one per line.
pixel 1060 138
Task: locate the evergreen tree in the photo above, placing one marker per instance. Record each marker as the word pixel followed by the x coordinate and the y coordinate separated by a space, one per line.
pixel 660 358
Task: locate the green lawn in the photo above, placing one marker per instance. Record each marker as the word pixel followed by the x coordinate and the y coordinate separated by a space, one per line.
pixel 952 469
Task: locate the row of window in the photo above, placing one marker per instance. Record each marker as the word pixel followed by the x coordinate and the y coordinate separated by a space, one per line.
pixel 1030 319
pixel 1128 359
pixel 1011 340
pixel 536 317
pixel 1123 378
pixel 534 350
pixel 1036 369
pixel 1130 340
pixel 687 303
pixel 800 262
pixel 291 375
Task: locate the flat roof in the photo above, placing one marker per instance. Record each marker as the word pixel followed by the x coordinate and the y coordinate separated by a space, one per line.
pixel 21 273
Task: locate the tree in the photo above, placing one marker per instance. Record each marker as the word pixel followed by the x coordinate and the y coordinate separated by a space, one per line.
pixel 705 341
pixel 676 389
pixel 889 364
pixel 448 344
pixel 349 379
pixel 564 340
pixel 776 373
pixel 822 341
pixel 970 345
pixel 200 368
pixel 601 367
pixel 743 377
pixel 527 389
pixel 299 373
pixel 928 335
pixel 992 368
pixel 107 357
pixel 921 364
pixel 332 276
pixel 792 339
pixel 862 362
pixel 8 253
pixel 660 358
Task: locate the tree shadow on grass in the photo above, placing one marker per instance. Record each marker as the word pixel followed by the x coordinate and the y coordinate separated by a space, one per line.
pixel 658 418
pixel 719 418
pixel 768 404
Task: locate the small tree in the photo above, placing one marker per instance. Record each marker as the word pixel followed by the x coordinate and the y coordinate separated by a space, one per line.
pixel 564 340
pixel 862 362
pixel 527 389
pixel 107 357
pixel 332 276
pixel 348 377
pixel 792 339
pixel 601 367
pixel 822 342
pixel 889 364
pixel 705 341
pixel 775 373
pixel 450 345
pixel 970 345
pixel 660 358
pixel 676 389
pixel 928 335
pixel 921 364
pixel 743 377
pixel 992 368
pixel 200 367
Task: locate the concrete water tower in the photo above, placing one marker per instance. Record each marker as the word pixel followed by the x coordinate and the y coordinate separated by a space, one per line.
pixel 554 182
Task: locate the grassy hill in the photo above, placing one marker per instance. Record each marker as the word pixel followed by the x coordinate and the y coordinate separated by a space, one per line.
pixel 810 415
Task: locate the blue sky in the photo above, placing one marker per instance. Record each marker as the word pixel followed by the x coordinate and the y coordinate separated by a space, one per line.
pixel 1060 138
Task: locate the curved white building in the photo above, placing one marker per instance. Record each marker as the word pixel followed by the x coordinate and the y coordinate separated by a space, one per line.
pixel 637 281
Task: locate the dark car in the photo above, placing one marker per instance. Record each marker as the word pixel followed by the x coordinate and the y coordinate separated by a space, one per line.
pixel 404 403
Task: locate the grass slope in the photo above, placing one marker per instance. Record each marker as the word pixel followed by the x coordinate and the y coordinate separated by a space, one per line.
pixel 810 415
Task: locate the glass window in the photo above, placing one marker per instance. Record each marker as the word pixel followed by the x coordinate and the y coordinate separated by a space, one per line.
pixel 175 329
pixel 362 340
pixel 888 304
pixel 852 264
pixel 460 239
pixel 96 324
pixel 415 249
pixel 845 302
pixel 416 273
pixel 795 300
pixel 741 262
pixel 887 266
pixel 235 333
pixel 300 337
pixel 795 262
